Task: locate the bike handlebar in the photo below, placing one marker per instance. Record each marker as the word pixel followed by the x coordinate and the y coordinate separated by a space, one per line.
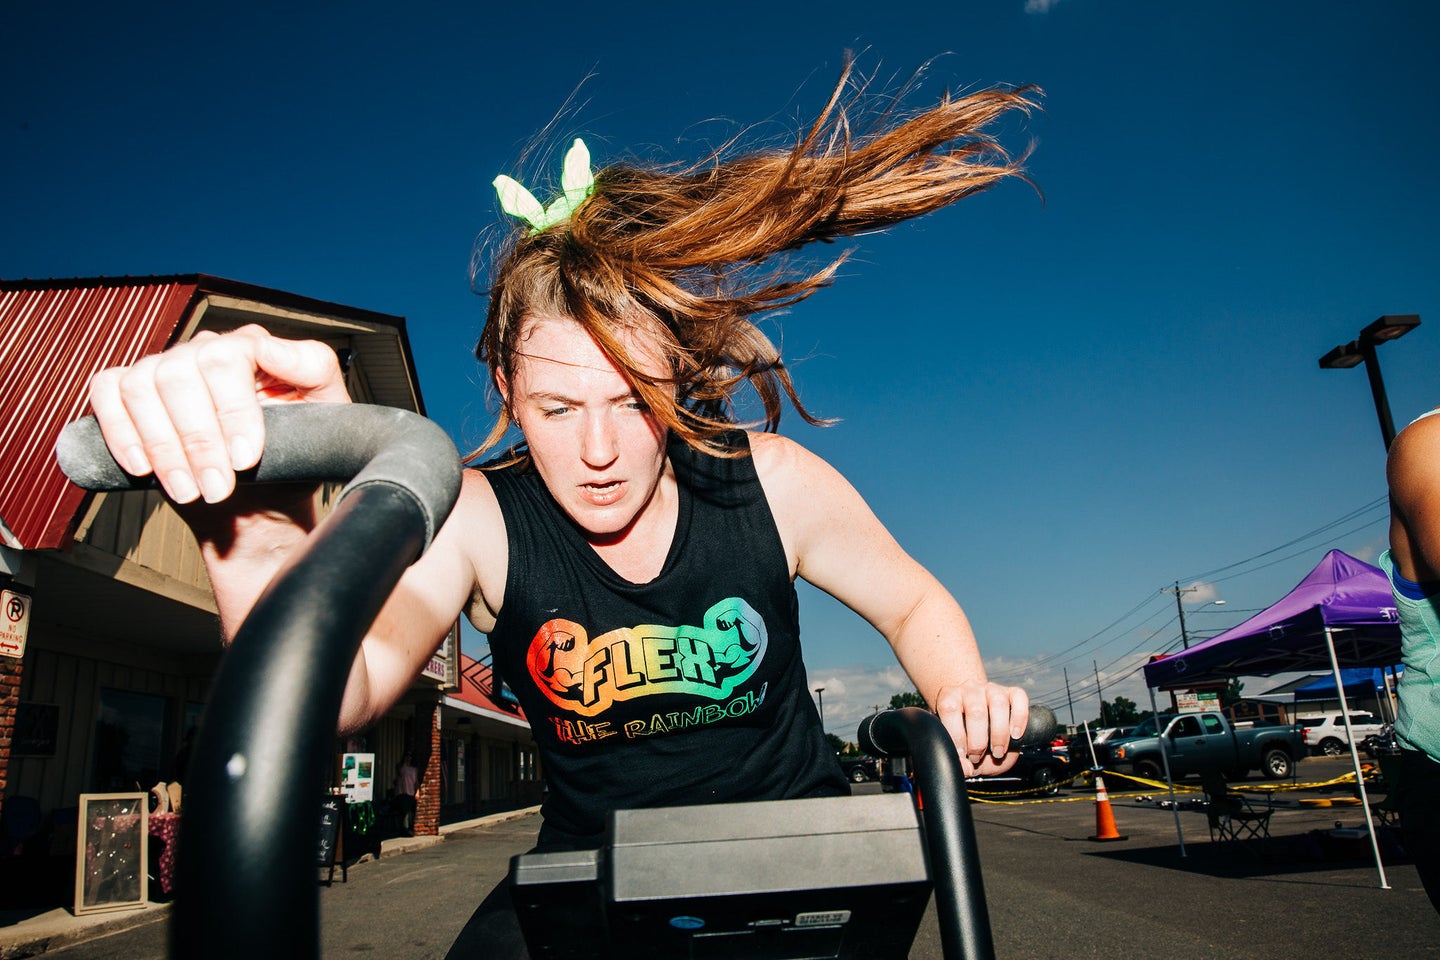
pixel 949 830
pixel 246 881
pixel 362 443
pixel 887 741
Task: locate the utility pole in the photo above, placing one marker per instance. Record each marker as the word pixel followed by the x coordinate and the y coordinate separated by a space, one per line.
pixel 1180 609
pixel 1099 694
pixel 1071 702
pixel 820 691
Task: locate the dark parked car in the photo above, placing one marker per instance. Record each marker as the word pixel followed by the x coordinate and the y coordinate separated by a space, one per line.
pixel 860 769
pixel 1078 748
pixel 1037 771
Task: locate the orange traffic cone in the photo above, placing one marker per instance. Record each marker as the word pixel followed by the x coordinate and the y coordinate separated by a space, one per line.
pixel 1104 816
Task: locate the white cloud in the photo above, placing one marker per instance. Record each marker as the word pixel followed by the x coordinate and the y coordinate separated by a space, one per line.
pixel 1200 592
pixel 1370 552
pixel 1040 6
pixel 853 693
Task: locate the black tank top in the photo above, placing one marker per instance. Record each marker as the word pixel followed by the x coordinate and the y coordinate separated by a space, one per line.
pixel 688 689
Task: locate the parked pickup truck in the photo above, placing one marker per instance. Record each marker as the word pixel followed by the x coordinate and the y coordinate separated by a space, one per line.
pixel 1208 741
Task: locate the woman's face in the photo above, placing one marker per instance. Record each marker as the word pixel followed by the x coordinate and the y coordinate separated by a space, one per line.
pixel 590 436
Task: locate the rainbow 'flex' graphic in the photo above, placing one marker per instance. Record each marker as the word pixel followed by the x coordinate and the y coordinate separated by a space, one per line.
pixel 586 676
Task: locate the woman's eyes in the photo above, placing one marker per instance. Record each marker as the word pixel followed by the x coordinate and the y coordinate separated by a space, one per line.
pixel 632 406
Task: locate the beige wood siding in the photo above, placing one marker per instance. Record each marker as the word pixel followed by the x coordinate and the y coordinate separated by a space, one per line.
pixel 73 683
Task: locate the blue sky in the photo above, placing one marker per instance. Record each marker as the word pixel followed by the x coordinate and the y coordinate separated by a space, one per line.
pixel 1061 406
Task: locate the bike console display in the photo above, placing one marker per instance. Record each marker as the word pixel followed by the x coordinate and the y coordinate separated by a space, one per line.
pixel 834 877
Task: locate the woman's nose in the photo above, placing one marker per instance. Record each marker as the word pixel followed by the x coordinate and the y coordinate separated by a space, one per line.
pixel 598 448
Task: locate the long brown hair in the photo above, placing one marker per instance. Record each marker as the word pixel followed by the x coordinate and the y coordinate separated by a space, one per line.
pixel 679 252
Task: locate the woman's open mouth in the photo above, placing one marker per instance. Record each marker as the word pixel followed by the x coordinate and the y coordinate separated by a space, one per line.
pixel 602 494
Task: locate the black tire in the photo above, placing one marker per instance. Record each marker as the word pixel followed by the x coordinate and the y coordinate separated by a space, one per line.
pixel 1331 747
pixel 1149 770
pixel 857 775
pixel 1277 763
pixel 1044 781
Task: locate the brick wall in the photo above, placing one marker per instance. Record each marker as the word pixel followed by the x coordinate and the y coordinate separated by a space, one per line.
pixel 10 671
pixel 427 758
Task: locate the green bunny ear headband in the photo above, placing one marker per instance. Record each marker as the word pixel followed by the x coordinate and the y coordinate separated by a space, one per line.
pixel 576 180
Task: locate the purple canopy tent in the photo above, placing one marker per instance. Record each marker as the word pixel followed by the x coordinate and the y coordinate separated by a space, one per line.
pixel 1341 613
pixel 1344 596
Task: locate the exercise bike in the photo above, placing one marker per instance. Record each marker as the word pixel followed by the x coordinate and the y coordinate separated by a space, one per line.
pixel 834 877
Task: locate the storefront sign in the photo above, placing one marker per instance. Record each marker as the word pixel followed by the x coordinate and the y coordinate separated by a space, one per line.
pixel 14 623
pixel 357 777
pixel 1205 701
pixel 442 663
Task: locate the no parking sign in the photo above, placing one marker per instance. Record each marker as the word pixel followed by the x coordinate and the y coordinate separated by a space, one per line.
pixel 14 623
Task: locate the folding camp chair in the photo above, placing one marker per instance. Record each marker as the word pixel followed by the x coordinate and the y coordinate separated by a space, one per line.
pixel 1232 816
pixel 1387 810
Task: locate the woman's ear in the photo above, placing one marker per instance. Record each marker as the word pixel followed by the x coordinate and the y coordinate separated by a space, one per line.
pixel 502 384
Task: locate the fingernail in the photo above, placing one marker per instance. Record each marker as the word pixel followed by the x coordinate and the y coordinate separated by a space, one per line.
pixel 213 485
pixel 182 488
pixel 998 751
pixel 139 465
pixel 241 456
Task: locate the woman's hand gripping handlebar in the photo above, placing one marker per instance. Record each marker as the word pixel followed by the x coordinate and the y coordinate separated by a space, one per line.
pixel 949 830
pixel 246 870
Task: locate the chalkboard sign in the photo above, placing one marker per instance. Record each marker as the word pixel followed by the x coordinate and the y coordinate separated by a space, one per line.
pixel 37 727
pixel 332 816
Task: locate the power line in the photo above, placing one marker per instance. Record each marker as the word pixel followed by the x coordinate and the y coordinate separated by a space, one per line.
pixel 1069 653
pixel 1358 511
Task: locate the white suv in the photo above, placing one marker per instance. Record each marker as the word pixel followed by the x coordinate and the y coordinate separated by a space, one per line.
pixel 1327 734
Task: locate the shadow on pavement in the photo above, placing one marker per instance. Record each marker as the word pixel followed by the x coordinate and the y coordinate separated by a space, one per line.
pixel 1313 852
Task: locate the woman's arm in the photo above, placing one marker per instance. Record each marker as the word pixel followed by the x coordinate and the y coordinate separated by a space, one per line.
pixel 191 416
pixel 1413 472
pixel 834 541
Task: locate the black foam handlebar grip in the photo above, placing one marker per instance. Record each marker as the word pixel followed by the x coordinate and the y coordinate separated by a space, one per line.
pixel 362 443
pixel 874 740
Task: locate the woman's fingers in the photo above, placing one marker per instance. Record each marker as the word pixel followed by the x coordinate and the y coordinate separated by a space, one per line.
pixel 230 379
pixel 982 719
pixel 191 415
pixel 200 466
pixel 124 441
pixel 298 369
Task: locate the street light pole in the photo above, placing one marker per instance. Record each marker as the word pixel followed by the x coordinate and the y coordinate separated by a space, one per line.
pixel 1362 350
pixel 820 692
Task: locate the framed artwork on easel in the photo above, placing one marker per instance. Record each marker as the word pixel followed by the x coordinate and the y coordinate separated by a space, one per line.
pixel 112 855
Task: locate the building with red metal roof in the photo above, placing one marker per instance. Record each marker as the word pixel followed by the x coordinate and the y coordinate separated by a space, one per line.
pixel 121 635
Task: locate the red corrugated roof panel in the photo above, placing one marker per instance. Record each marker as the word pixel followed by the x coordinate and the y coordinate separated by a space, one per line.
pixel 53 336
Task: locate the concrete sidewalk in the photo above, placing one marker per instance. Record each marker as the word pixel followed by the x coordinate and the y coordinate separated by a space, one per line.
pixel 24 935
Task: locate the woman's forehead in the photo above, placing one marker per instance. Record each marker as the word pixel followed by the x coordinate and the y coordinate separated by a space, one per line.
pixel 551 348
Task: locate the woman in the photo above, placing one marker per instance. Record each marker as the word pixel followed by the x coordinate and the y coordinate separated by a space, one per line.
pixel 1413 566
pixel 633 561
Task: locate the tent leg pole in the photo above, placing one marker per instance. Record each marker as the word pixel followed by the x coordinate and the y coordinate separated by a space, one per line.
pixel 1169 780
pixel 1355 758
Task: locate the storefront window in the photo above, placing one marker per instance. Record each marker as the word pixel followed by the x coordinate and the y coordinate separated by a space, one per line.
pixel 129 740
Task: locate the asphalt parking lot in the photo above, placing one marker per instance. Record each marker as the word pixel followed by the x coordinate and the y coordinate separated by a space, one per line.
pixel 1052 891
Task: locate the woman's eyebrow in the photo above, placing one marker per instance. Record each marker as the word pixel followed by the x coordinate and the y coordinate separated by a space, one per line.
pixel 554 397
